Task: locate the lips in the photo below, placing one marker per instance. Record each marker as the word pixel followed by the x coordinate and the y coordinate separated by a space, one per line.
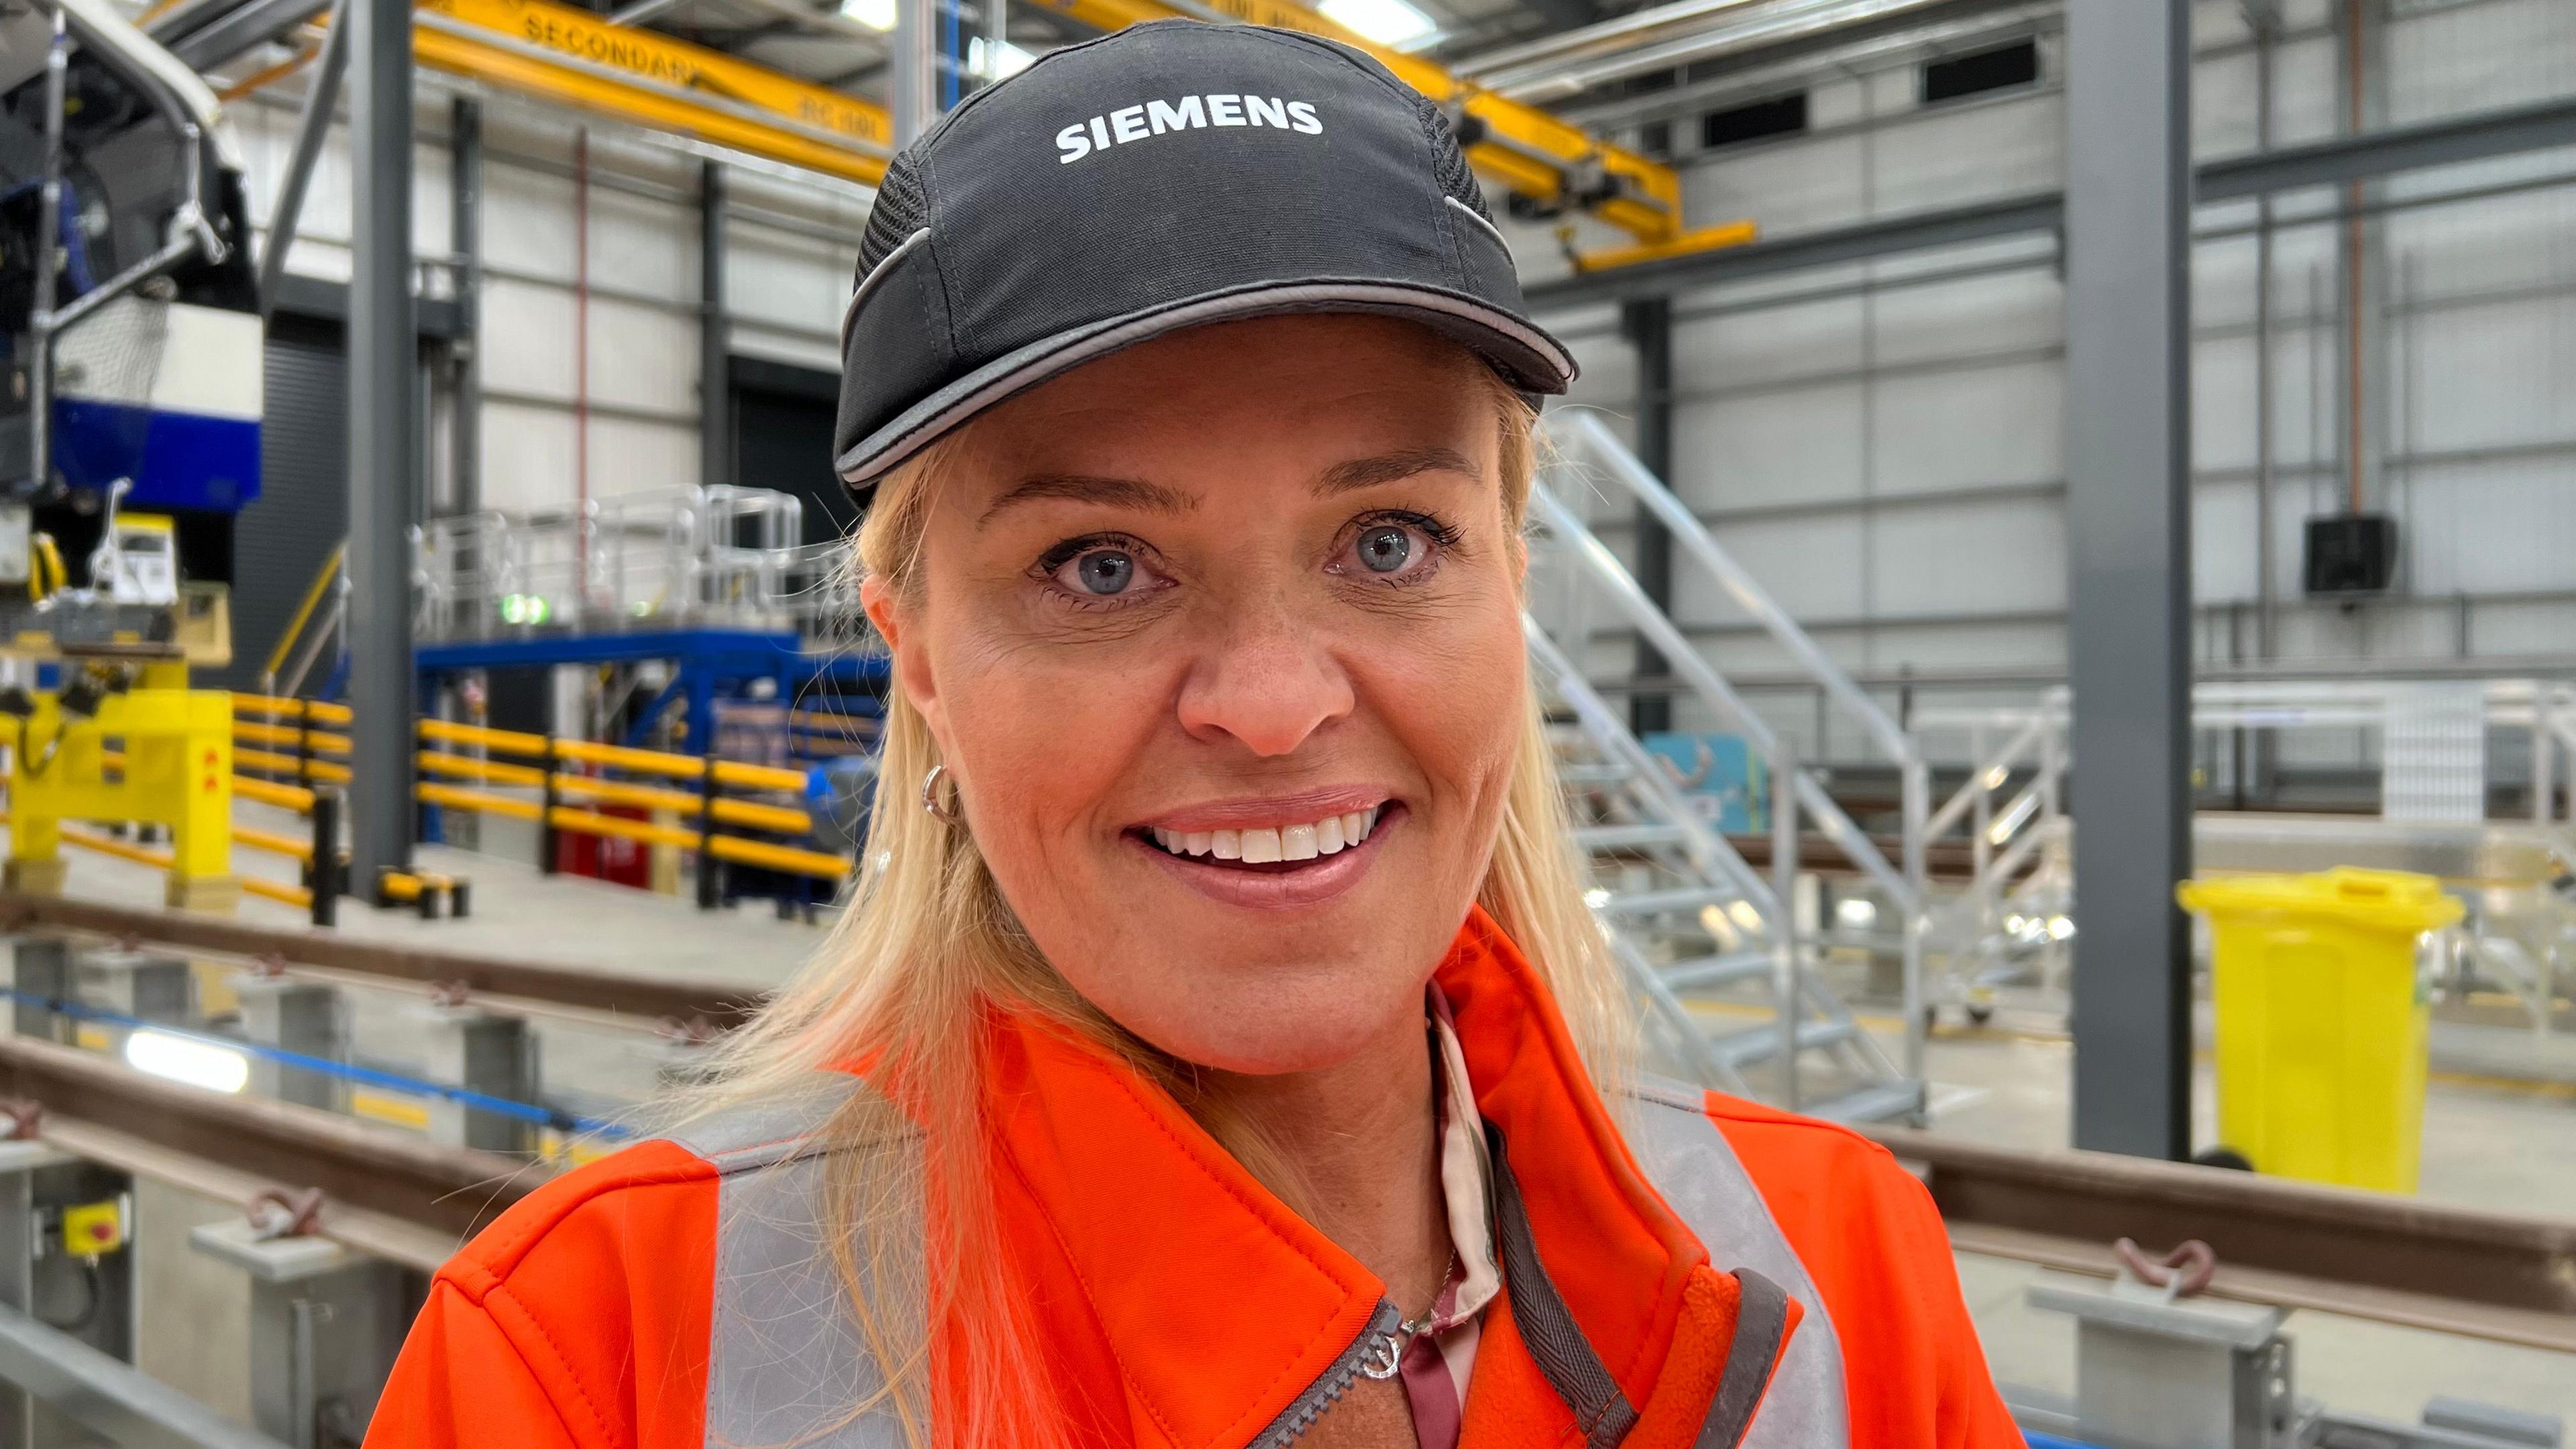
pixel 1273 855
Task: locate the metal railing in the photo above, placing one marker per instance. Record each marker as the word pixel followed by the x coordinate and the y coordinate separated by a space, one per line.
pixel 675 556
pixel 1581 572
pixel 2015 918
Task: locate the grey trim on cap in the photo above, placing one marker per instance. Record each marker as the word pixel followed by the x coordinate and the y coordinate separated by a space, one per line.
pixel 868 284
pixel 1483 223
pixel 917 426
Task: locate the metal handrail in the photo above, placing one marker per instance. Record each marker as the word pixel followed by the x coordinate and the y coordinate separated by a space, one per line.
pixel 1687 662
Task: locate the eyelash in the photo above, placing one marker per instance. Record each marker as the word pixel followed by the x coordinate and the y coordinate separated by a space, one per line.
pixel 1443 536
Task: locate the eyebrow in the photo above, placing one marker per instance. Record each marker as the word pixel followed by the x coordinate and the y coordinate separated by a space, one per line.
pixel 1092 488
pixel 1391 467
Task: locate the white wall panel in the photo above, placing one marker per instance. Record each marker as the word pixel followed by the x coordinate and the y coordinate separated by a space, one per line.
pixel 2495 375
pixel 1812 566
pixel 528 341
pixel 1989 556
pixel 644 357
pixel 1748 348
pixel 1981 149
pixel 1786 186
pixel 1983 424
pixel 1994 313
pixel 1792 446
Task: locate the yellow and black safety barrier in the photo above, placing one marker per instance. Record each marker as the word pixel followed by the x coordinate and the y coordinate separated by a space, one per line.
pixel 458 757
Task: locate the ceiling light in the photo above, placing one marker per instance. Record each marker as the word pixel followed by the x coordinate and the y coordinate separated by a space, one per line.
pixel 1388 22
pixel 874 14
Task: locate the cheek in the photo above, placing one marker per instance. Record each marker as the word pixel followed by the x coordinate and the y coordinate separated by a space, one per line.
pixel 1452 700
pixel 1038 743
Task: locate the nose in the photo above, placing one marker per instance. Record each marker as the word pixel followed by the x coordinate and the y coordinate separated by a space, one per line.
pixel 1267 682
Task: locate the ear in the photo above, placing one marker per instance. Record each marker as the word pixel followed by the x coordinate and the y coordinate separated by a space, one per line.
pixel 911 661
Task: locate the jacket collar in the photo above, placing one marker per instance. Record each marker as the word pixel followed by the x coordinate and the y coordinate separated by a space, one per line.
pixel 1220 1306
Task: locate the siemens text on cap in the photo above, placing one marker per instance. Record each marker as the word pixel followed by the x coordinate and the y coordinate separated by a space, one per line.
pixel 1153 118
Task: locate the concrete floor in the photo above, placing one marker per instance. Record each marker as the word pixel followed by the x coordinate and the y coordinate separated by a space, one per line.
pixel 2486 1142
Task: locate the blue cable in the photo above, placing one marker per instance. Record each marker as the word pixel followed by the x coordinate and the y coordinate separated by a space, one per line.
pixel 529 1112
pixel 2037 1440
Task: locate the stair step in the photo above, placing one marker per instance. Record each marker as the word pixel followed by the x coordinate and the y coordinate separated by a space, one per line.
pixel 1876 1102
pixel 1718 970
pixel 1741 1049
pixel 1630 905
pixel 1598 838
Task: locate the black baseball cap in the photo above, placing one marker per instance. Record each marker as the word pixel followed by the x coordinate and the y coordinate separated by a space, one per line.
pixel 1165 176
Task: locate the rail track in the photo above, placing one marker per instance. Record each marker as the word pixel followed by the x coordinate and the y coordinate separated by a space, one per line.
pixel 2503 1276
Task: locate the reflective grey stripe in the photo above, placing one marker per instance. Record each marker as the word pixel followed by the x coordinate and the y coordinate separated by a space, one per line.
pixel 1697 1173
pixel 1547 1327
pixel 786 1365
pixel 1761 1320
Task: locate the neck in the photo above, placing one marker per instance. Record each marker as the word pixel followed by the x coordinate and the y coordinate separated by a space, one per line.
pixel 1358 1146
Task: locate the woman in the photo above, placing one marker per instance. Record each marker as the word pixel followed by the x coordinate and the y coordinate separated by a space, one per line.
pixel 1209 1056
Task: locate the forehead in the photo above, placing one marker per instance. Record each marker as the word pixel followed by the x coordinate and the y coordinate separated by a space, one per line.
pixel 1284 397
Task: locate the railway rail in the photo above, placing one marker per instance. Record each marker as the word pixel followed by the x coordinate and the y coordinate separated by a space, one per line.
pixel 2501 1276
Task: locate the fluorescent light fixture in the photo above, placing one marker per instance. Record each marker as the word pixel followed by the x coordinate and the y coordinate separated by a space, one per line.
pixel 186 1059
pixel 874 14
pixel 1388 22
pixel 996 63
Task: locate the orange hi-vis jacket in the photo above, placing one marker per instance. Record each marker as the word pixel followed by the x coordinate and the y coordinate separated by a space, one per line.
pixel 1721 1275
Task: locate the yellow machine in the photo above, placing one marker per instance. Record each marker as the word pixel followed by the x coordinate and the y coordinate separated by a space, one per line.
pixel 174 768
pixel 123 739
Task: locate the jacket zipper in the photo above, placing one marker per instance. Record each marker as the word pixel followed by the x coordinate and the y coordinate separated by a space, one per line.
pixel 1324 1392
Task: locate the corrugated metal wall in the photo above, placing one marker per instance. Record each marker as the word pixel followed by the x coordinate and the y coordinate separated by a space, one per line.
pixel 1882 443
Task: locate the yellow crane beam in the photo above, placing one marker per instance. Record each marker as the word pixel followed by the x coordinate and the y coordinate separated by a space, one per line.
pixel 625 72
pixel 578 59
pixel 1529 151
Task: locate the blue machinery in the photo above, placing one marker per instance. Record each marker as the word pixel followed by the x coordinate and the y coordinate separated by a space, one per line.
pixel 707 665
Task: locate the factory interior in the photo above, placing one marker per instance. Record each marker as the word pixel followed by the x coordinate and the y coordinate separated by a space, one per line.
pixel 443 707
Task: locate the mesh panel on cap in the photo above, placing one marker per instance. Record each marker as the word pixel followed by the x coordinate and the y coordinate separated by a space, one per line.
pixel 901 208
pixel 1448 160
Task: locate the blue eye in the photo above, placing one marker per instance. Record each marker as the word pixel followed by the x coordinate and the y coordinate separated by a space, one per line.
pixel 1102 572
pixel 1385 550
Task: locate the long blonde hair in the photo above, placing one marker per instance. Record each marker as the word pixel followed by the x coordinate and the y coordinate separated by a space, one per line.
pixel 927 942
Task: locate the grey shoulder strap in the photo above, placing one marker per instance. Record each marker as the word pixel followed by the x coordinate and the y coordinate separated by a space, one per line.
pixel 1691 1164
pixel 787 1366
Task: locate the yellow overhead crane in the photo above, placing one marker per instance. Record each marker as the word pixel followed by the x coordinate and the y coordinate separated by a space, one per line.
pixel 579 59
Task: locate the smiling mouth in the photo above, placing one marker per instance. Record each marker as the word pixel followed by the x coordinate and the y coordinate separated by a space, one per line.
pixel 1269 850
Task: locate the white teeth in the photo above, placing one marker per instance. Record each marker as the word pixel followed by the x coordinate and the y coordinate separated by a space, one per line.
pixel 1329 836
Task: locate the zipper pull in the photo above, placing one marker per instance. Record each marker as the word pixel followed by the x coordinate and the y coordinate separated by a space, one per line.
pixel 1384 1356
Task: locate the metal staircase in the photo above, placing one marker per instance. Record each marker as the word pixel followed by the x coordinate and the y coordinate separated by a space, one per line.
pixel 1731 991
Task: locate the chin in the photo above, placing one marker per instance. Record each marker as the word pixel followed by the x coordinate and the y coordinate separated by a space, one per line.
pixel 1270 1018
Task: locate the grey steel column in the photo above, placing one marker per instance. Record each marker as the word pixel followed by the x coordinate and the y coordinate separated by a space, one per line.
pixel 383 468
pixel 915 63
pixel 2128 455
pixel 465 239
pixel 1648 326
pixel 715 334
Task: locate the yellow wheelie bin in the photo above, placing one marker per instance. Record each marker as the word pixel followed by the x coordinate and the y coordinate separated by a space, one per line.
pixel 2321 1017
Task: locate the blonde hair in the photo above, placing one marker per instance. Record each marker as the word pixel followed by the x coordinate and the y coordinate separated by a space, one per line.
pixel 927 941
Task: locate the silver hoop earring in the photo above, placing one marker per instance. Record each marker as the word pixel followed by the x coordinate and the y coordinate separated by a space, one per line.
pixel 945 814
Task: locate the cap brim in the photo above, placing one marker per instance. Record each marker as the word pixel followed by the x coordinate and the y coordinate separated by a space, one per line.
pixel 1526 356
